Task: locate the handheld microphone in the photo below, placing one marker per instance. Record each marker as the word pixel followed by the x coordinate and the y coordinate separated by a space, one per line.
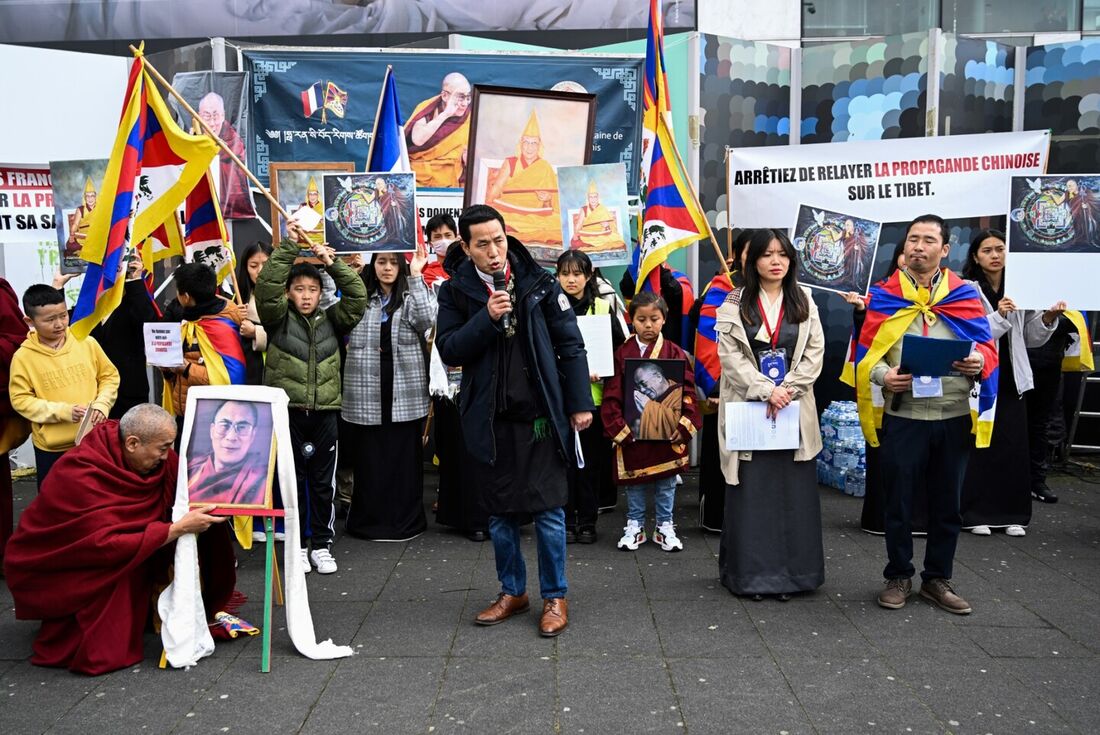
pixel 895 402
pixel 500 283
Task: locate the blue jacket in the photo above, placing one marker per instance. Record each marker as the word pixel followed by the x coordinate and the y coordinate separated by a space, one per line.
pixel 466 337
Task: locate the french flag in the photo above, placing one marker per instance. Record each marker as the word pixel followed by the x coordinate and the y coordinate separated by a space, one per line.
pixel 311 100
pixel 388 151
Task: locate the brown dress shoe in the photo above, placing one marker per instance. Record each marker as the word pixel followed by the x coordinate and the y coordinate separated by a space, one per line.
pixel 894 594
pixel 939 592
pixel 555 616
pixel 505 607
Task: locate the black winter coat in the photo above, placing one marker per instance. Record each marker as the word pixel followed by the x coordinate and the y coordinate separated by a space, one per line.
pixel 466 337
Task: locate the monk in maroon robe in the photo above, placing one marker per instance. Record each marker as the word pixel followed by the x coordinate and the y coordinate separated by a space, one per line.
pixel 235 199
pixel 14 429
pixel 86 555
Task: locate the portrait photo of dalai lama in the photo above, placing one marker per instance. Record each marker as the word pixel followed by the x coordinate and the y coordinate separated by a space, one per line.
pixel 230 458
pixel 653 398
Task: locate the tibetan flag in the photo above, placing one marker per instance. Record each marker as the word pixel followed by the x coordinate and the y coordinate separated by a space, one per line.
pixel 336 100
pixel 311 100
pixel 205 239
pixel 655 98
pixel 672 218
pixel 388 150
pixel 708 369
pixel 165 242
pixel 152 167
pixel 893 306
pixel 1078 358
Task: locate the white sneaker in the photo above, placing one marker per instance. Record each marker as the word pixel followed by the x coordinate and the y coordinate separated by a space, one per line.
pixel 303 558
pixel 322 559
pixel 633 536
pixel 259 537
pixel 665 537
pixel 679 480
pixel 1015 531
pixel 981 531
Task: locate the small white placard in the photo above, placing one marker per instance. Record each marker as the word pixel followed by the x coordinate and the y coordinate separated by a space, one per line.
pixel 307 218
pixel 163 345
pixel 748 428
pixel 596 332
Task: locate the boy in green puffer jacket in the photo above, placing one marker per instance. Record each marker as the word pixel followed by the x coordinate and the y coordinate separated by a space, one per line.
pixel 303 358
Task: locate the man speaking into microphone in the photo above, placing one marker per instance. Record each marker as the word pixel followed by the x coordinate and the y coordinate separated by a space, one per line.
pixel 525 390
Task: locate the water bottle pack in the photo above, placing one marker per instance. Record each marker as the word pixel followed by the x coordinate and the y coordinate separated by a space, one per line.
pixel 842 463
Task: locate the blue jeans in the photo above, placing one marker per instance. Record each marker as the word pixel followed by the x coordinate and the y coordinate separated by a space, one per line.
pixel 550 538
pixel 664 493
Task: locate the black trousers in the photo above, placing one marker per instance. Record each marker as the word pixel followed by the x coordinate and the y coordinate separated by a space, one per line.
pixel 316 474
pixel 43 461
pixel 1040 403
pixel 930 455
pixel 584 484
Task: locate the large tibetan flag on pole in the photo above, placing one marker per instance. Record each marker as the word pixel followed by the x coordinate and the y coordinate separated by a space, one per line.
pixel 205 239
pixel 655 99
pixel 672 218
pixel 153 165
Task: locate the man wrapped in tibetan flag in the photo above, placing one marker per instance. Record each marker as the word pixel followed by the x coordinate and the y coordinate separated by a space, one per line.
pixel 926 432
pixel 153 166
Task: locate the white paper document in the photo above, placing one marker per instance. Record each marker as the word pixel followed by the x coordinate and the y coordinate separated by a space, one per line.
pixel 748 428
pixel 596 333
pixel 163 345
pixel 307 218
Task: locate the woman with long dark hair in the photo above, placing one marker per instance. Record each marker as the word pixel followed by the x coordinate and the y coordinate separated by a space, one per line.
pixel 577 279
pixel 997 490
pixel 771 346
pixel 253 336
pixel 386 399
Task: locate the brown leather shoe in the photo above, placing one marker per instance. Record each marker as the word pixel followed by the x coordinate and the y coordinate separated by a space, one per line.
pixel 939 592
pixel 893 595
pixel 555 616
pixel 505 607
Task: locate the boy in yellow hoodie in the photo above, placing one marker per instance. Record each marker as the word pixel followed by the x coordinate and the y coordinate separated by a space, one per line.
pixel 56 378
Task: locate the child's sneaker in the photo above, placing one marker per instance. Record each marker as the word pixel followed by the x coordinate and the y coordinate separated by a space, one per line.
pixel 665 537
pixel 322 559
pixel 303 561
pixel 633 536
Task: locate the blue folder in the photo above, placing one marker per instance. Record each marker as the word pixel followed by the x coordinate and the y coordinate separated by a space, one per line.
pixel 931 356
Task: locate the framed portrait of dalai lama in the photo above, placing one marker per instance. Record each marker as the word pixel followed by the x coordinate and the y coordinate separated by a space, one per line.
pixel 518 139
pixel 653 398
pixel 230 454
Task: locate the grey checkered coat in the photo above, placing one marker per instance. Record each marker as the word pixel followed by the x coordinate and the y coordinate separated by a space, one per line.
pixel 362 384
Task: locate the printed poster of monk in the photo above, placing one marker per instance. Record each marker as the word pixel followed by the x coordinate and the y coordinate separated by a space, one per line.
pixel 1055 214
pixel 836 251
pixel 653 398
pixel 594 211
pixel 231 454
pixel 518 138
pixel 437 135
pixel 370 213
pixel 76 186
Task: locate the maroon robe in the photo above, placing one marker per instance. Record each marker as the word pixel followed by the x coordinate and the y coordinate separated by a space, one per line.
pixel 84 559
pixel 638 462
pixel 242 485
pixel 236 200
pixel 14 429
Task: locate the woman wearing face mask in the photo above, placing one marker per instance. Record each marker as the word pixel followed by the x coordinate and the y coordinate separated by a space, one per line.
pixel 997 490
pixel 577 279
pixel 386 399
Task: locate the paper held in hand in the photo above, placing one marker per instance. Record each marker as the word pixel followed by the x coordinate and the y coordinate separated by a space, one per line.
pixel 748 428
pixel 306 218
pixel 85 426
pixel 596 333
pixel 163 345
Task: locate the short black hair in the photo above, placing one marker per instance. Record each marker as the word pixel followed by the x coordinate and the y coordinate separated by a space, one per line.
pixel 304 270
pixel 249 404
pixel 197 280
pixel 647 298
pixel 934 219
pixel 438 222
pixel 39 295
pixel 476 215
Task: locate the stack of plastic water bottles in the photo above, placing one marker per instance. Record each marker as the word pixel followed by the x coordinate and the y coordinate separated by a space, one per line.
pixel 843 462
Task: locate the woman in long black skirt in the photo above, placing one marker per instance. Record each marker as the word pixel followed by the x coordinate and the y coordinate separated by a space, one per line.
pixel 996 493
pixel 386 399
pixel 771 346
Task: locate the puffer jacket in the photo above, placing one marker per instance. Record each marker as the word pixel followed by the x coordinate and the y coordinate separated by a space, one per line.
pixel 303 353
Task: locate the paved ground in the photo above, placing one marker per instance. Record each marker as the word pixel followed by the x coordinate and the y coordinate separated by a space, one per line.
pixel 655 645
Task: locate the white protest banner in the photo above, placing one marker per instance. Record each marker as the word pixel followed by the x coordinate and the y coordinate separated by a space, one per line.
pixel 430 202
pixel 882 180
pixel 163 344
pixel 26 203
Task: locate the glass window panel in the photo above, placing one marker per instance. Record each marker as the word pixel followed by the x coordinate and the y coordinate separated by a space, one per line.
pixel 1090 19
pixel 839 18
pixel 1010 16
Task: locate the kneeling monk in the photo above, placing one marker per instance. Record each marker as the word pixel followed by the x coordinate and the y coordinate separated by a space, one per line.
pixel 84 558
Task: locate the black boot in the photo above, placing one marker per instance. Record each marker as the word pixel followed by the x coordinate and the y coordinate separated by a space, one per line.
pixel 1043 494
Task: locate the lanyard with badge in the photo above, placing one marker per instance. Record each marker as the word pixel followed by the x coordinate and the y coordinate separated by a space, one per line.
pixel 773 362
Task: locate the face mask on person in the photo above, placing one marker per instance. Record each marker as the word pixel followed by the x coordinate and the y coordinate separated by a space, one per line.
pixel 439 247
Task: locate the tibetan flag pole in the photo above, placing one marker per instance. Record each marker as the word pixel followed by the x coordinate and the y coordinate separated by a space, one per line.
pixel 209 131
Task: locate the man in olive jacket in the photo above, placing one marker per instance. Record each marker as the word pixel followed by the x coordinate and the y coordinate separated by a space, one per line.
pixel 303 358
